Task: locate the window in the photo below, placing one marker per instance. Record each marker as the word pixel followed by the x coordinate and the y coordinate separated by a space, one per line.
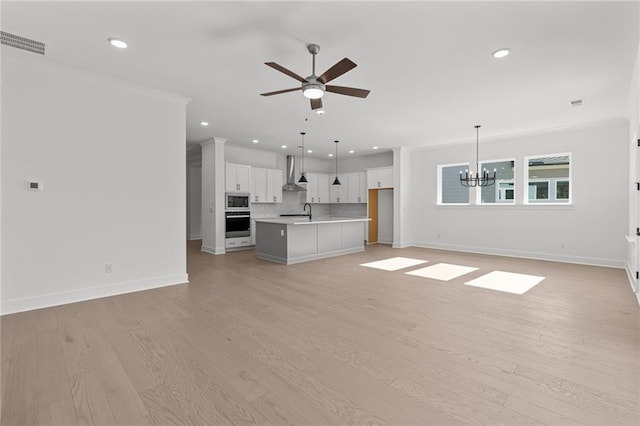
pixel 538 190
pixel 503 192
pixel 562 189
pixel 548 178
pixel 449 189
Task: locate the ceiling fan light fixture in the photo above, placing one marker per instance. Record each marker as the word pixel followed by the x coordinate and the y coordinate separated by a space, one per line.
pixel 313 91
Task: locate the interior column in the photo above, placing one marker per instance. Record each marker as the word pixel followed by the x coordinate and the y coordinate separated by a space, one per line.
pixel 213 175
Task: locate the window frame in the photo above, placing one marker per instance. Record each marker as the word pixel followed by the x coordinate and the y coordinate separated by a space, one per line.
pixel 552 200
pixel 439 184
pixel 513 180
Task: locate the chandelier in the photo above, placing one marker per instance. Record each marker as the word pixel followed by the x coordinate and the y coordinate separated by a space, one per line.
pixel 469 180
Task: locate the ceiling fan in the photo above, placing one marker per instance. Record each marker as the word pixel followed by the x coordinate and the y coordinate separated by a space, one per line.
pixel 313 87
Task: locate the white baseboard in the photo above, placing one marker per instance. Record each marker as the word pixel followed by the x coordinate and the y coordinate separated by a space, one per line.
pixel 400 245
pixel 194 237
pixel 79 295
pixel 611 263
pixel 212 250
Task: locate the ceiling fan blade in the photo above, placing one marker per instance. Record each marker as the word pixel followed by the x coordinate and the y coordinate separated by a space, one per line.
pixel 316 103
pixel 349 91
pixel 337 70
pixel 277 92
pixel 285 71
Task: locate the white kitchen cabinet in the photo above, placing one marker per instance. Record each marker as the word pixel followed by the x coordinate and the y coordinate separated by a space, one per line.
pixel 380 177
pixel 237 177
pixel 364 191
pixel 338 193
pixel 267 185
pixel 274 186
pixel 259 192
pixel 356 187
pixel 317 188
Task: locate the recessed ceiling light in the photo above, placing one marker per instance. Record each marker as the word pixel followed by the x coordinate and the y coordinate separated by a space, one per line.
pixel 351 151
pixel 330 155
pixel 309 151
pixel 320 111
pixel 117 43
pixel 501 53
pixel 375 147
pixel 204 123
pixel 283 146
pixel 255 141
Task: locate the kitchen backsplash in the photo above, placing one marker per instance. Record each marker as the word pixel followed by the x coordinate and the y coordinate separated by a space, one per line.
pixel 293 202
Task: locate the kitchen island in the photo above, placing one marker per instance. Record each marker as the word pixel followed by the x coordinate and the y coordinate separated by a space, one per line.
pixel 295 240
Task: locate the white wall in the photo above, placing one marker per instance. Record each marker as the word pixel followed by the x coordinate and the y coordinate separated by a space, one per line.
pixel 252 157
pixel 385 216
pixel 194 203
pixel 590 231
pixel 112 160
pixel 346 163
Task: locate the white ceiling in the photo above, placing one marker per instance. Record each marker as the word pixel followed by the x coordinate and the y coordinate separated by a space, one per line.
pixel 428 64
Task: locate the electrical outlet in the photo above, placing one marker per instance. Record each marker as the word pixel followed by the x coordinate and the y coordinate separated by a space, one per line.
pixel 282 232
pixel 108 268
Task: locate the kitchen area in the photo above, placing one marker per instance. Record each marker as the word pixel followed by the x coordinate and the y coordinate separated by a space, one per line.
pixel 259 199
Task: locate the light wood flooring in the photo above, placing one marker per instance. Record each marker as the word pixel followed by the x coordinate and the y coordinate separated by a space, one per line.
pixel 330 343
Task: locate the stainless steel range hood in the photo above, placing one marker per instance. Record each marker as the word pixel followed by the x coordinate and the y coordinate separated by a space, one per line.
pixel 291 176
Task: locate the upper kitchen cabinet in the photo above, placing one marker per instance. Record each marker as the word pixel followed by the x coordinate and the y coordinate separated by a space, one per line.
pixel 237 177
pixel 274 185
pixel 356 187
pixel 339 193
pixel 381 177
pixel 317 188
pixel 259 190
pixel 267 185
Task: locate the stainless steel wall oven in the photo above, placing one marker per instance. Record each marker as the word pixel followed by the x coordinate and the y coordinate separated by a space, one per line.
pixel 237 224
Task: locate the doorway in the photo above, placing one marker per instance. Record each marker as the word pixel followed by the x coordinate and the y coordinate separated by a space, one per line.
pixel 380 213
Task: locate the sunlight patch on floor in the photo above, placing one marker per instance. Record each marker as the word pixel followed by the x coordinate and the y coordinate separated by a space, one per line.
pixel 442 271
pixel 394 263
pixel 506 281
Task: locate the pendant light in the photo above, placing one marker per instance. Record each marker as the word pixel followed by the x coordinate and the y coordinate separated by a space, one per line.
pixel 336 181
pixel 469 180
pixel 303 178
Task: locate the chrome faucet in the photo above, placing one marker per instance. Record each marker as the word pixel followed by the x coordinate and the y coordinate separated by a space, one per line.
pixel 305 209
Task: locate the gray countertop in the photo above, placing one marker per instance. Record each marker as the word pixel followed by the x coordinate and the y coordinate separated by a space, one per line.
pixel 305 221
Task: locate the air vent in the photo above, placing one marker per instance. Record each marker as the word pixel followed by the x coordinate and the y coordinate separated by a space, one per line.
pixel 23 43
pixel 576 103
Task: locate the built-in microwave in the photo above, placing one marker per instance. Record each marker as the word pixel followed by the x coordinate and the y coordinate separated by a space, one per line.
pixel 237 201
